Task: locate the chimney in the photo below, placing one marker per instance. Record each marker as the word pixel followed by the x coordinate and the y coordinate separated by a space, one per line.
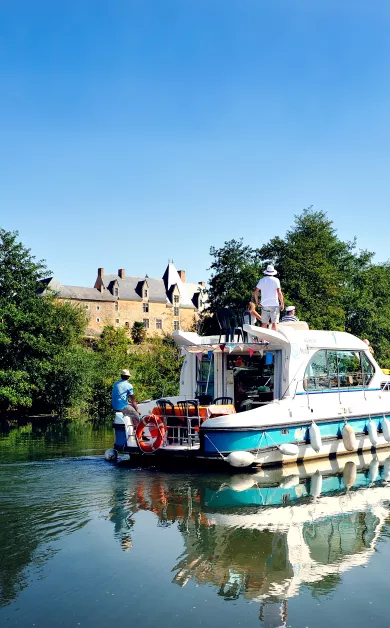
pixel 182 275
pixel 99 281
pixel 202 284
pixel 121 273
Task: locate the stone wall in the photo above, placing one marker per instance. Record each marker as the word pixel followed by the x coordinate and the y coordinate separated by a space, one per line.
pixel 125 313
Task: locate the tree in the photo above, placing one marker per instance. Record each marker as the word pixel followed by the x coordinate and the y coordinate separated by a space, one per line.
pixel 138 333
pixel 317 270
pixel 111 356
pixel 155 367
pixel 35 330
pixel 235 273
pixel 367 312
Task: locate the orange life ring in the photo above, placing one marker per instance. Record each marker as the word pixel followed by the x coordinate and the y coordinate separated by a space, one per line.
pixel 156 427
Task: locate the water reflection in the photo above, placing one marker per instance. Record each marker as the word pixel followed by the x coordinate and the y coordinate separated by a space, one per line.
pixel 195 539
pixel 262 536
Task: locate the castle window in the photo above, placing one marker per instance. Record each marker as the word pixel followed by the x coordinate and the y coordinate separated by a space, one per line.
pixel 176 325
pixel 117 321
pixel 146 323
pixel 175 311
pixel 116 306
pixel 158 323
pixel 145 307
pixel 176 299
pixel 116 292
pixel 98 320
pixel 145 294
pixel 98 307
pixel 127 324
pixel 86 306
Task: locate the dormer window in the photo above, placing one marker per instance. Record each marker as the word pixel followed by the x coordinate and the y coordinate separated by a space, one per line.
pixel 145 293
pixel 116 292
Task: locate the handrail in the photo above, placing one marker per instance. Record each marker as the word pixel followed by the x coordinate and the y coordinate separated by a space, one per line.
pixel 327 379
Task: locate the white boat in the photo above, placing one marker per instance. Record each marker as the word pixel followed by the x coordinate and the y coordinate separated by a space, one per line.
pixel 292 395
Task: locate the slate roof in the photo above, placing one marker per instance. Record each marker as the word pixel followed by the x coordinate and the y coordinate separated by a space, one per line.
pixel 77 293
pixel 130 288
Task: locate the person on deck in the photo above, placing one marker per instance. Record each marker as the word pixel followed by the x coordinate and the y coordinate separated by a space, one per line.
pixel 289 316
pixel 123 399
pixel 272 300
pixel 251 314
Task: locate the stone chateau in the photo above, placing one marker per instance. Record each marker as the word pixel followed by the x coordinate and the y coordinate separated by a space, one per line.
pixel 163 305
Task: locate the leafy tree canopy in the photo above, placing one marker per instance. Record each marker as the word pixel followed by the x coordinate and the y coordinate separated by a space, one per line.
pixel 332 284
pixel 235 272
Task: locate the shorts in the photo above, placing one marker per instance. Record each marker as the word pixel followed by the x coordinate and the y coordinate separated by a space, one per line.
pixel 270 314
pixel 132 413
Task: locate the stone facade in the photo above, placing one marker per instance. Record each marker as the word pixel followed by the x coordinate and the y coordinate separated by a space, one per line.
pixel 163 305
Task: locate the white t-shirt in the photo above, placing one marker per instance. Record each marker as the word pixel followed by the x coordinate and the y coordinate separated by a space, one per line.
pixel 268 286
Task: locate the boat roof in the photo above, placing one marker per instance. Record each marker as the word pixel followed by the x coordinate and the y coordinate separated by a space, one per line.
pixel 285 337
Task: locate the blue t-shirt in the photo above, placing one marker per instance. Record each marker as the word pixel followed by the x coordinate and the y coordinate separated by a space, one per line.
pixel 120 393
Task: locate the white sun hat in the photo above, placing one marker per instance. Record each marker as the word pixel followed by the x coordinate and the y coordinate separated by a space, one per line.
pixel 290 308
pixel 270 270
pixel 126 372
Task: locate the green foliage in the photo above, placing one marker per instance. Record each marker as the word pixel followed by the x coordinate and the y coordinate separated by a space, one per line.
pixel 332 285
pixel 156 368
pixel 35 331
pixel 235 272
pixel 367 311
pixel 316 269
pixel 110 357
pixel 138 333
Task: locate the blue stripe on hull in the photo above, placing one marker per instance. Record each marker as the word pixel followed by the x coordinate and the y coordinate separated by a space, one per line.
pixel 277 495
pixel 227 440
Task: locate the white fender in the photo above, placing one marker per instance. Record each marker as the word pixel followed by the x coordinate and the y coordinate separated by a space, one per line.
pixel 386 429
pixel 316 484
pixel 315 437
pixel 373 470
pixel 349 438
pixel 373 433
pixel 241 483
pixel 386 469
pixel 349 474
pixel 240 458
pixel 111 455
pixel 289 481
pixel 289 449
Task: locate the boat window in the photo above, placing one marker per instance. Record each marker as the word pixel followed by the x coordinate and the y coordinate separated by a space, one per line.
pixel 337 369
pixel 368 370
pixel 333 369
pixel 253 379
pixel 350 374
pixel 205 376
pixel 316 375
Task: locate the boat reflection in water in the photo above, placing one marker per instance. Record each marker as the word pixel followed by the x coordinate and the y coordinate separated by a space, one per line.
pixel 263 535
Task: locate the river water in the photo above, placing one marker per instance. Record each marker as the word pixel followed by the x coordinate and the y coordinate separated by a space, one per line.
pixel 87 543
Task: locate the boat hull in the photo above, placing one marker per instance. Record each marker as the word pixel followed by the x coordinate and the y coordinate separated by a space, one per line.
pixel 264 444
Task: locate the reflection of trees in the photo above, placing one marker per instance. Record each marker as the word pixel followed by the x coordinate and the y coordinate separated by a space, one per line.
pixel 38 507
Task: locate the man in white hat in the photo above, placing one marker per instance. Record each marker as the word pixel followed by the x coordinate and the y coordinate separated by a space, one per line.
pixel 272 300
pixel 123 399
pixel 290 317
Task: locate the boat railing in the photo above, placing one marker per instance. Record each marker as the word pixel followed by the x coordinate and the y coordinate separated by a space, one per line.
pixel 340 382
pixel 185 434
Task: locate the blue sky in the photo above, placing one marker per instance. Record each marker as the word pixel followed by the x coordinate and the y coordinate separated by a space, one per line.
pixel 136 131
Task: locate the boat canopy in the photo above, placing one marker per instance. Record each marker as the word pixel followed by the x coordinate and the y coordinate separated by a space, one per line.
pixel 284 338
